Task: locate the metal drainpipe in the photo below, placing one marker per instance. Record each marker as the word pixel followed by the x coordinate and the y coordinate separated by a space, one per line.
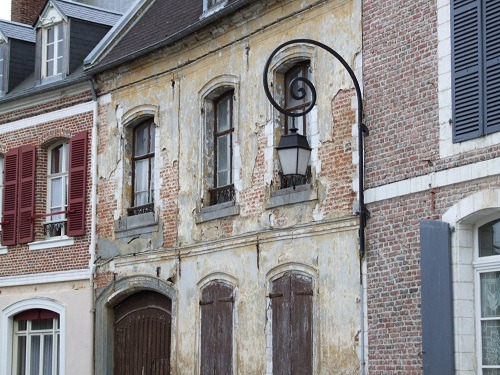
pixel 93 200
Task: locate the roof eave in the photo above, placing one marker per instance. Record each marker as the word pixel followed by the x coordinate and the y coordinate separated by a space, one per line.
pixel 92 70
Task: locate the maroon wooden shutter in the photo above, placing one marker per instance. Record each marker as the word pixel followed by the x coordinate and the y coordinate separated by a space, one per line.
pixel 9 220
pixel 26 194
pixel 291 302
pixel 77 184
pixel 216 307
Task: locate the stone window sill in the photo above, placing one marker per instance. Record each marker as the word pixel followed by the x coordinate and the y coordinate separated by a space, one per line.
pixel 136 225
pixel 52 243
pixel 3 250
pixel 283 197
pixel 217 211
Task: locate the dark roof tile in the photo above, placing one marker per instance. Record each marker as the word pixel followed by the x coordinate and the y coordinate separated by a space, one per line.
pixel 18 31
pixel 88 13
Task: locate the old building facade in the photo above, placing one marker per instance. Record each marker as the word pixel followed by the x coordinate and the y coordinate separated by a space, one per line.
pixel 200 238
pixel 47 113
pixel 431 81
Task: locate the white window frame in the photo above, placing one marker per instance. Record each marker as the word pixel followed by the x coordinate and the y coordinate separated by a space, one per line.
pixel 45 58
pixel 7 329
pixel 481 265
pixel 29 333
pixel 64 175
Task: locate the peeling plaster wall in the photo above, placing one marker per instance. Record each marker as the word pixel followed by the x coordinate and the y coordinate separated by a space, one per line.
pixel 318 234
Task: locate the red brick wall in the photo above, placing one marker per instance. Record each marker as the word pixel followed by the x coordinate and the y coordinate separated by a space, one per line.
pixel 19 259
pixel 400 74
pixel 26 11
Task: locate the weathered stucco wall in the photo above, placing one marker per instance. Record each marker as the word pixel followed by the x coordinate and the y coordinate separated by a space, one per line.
pixel 262 236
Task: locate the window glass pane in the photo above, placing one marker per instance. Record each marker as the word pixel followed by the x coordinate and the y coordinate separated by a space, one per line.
pixel 35 355
pixel 50 68
pixel 50 35
pixel 223 115
pixel 56 159
pixel 491 371
pixel 489 239
pixel 141 141
pixel 47 354
pixel 22 325
pixel 58 66
pixel 60 49
pixel 42 324
pixel 490 331
pixel 21 355
pixel 50 51
pixel 56 192
pixel 60 31
pixel 141 175
pixel 223 157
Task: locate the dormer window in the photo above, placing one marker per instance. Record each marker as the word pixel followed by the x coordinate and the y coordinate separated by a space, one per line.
pixel 212 6
pixel 212 3
pixel 53 38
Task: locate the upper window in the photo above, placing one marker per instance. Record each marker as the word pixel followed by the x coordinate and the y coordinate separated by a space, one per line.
pixel 53 47
pixel 65 196
pixel 143 167
pixel 212 3
pixel 475 68
pixel 488 301
pixel 294 100
pixel 36 343
pixel 219 148
pixel 212 6
pixel 57 189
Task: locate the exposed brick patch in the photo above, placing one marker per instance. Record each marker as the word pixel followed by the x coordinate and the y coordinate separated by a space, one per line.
pixel 26 11
pixel 19 259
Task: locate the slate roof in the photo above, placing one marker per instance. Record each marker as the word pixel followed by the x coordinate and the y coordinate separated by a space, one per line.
pixel 87 12
pixel 164 22
pixel 16 30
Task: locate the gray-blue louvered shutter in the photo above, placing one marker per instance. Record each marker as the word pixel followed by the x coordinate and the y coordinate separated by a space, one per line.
pixel 436 298
pixel 491 30
pixel 466 70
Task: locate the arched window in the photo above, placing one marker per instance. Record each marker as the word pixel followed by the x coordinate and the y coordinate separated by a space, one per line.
pixel 143 159
pixel 36 342
pixel 487 266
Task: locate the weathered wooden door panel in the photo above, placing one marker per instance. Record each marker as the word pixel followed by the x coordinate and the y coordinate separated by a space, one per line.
pixel 216 307
pixel 291 302
pixel 142 335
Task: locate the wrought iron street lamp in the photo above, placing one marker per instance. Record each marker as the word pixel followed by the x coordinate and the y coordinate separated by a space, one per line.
pixel 293 149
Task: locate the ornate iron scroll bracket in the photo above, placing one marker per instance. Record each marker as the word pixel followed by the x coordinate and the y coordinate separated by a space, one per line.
pixel 300 93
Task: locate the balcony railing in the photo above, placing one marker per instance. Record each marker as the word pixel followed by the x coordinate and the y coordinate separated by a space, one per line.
pixel 221 194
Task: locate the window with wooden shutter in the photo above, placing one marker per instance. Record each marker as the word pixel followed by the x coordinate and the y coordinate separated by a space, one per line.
pixel 476 68
pixel 9 219
pixel 216 306
pixel 77 184
pixel 292 324
pixel 26 194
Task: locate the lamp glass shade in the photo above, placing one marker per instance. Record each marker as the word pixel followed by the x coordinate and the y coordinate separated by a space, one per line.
pixel 294 152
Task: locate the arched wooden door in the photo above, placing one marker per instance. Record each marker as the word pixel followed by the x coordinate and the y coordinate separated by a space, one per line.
pixel 142 335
